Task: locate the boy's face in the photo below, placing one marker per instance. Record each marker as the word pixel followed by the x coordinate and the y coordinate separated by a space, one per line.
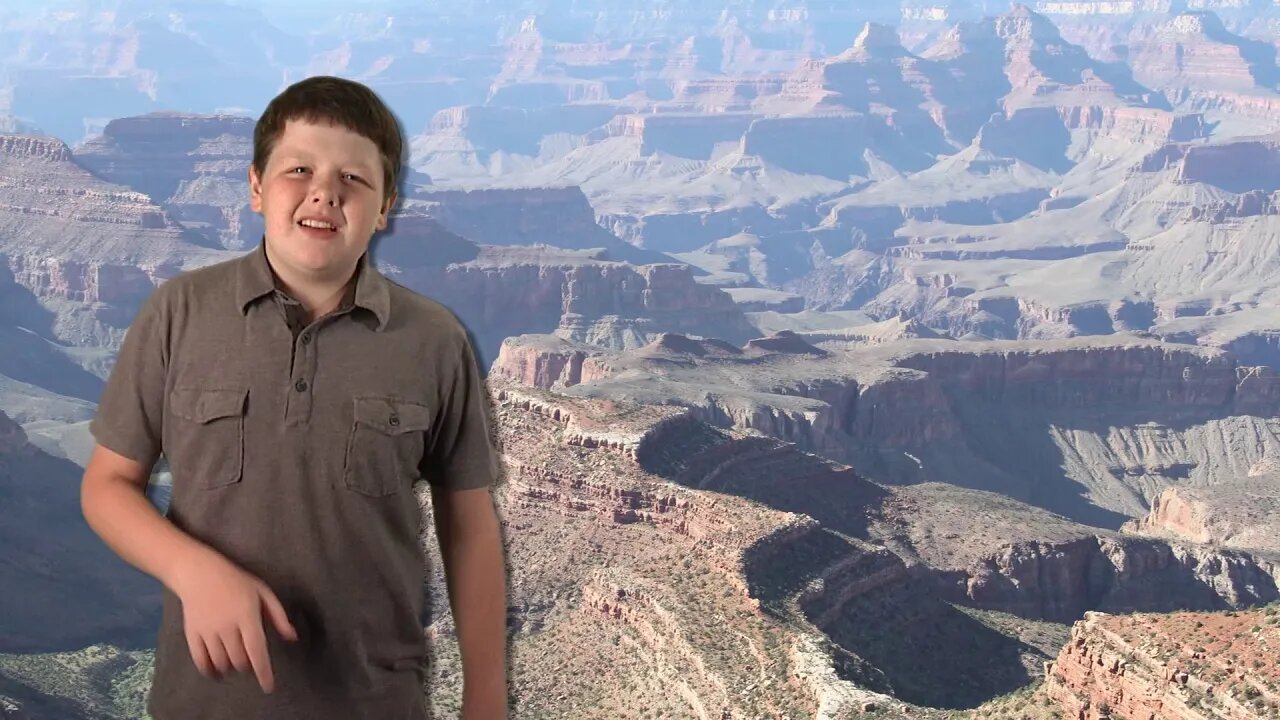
pixel 324 173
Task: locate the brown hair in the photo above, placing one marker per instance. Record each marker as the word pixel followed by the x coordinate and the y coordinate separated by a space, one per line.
pixel 339 101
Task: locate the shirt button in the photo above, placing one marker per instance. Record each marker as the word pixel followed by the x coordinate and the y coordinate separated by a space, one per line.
pixel 306 338
pixel 300 386
pixel 394 420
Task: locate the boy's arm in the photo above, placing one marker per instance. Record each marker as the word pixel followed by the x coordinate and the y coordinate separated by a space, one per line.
pixel 461 464
pixel 471 547
pixel 127 429
pixel 114 503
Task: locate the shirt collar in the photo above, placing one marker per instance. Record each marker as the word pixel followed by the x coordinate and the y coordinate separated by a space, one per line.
pixel 254 280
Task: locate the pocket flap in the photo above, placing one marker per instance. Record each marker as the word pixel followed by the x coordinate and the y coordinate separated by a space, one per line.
pixel 206 404
pixel 392 415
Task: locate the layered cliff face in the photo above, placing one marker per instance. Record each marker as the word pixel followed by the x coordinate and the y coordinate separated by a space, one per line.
pixel 1201 65
pixel 685 134
pixel 804 546
pixel 1039 66
pixel 45 185
pixel 1243 513
pixel 544 361
pixel 615 569
pixel 194 165
pixel 559 217
pixel 1089 265
pixel 1169 667
pixel 1001 142
pixel 1254 161
pixel 1090 429
pixel 74 240
pixel 991 552
pixel 504 292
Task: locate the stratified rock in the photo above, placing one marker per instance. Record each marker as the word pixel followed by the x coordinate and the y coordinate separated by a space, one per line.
pixel 558 217
pixel 66 235
pixel 577 295
pixel 1244 513
pixel 195 165
pixel 1203 66
pixel 1168 667
pixel 1242 165
pixel 1038 421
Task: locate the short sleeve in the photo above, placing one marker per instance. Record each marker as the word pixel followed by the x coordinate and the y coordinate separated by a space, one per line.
pixel 131 408
pixel 460 453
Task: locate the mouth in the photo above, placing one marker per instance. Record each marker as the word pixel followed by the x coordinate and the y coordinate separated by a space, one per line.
pixel 318 225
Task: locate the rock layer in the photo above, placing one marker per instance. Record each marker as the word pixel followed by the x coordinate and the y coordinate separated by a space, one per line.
pixel 1168 667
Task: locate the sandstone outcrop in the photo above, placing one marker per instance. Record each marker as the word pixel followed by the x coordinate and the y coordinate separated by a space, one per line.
pixel 194 165
pixel 1118 417
pixel 1240 166
pixel 545 361
pixel 577 467
pixel 686 135
pixel 74 240
pixel 1201 65
pixel 1168 667
pixel 1244 513
pixel 576 295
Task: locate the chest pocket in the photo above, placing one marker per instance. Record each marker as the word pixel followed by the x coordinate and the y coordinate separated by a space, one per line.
pixel 205 445
pixel 385 445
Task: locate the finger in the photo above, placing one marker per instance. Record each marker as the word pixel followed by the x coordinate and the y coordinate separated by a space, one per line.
pixel 200 656
pixel 255 645
pixel 235 651
pixel 279 617
pixel 218 655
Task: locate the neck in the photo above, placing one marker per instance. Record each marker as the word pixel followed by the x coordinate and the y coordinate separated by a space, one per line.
pixel 318 295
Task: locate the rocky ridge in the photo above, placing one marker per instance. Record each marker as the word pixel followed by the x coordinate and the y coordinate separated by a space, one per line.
pixel 576 295
pixel 194 165
pixel 980 415
pixel 1184 665
pixel 1238 514
pixel 767 519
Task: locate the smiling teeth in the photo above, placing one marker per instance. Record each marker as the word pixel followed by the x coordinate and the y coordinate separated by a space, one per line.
pixel 317 224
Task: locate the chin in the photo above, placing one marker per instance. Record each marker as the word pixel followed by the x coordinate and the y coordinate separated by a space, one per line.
pixel 312 259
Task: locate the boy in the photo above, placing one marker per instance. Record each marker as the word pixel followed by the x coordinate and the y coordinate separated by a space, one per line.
pixel 297 394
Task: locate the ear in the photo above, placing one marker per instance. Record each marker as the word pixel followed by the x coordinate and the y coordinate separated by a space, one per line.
pixel 386 211
pixel 255 190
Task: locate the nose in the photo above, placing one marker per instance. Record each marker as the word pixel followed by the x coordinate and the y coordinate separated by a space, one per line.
pixel 325 193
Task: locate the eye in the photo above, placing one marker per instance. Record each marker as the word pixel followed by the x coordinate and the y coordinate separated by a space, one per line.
pixel 353 176
pixel 297 168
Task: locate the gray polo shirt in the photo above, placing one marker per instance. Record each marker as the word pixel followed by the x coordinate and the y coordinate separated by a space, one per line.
pixel 293 449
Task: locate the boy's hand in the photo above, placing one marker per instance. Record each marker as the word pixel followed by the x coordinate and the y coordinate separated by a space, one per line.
pixel 223 608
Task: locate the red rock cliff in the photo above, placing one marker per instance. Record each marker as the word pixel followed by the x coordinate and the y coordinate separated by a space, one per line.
pixel 1185 666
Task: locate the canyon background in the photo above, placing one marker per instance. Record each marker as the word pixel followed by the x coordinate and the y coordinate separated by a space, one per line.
pixel 895 359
